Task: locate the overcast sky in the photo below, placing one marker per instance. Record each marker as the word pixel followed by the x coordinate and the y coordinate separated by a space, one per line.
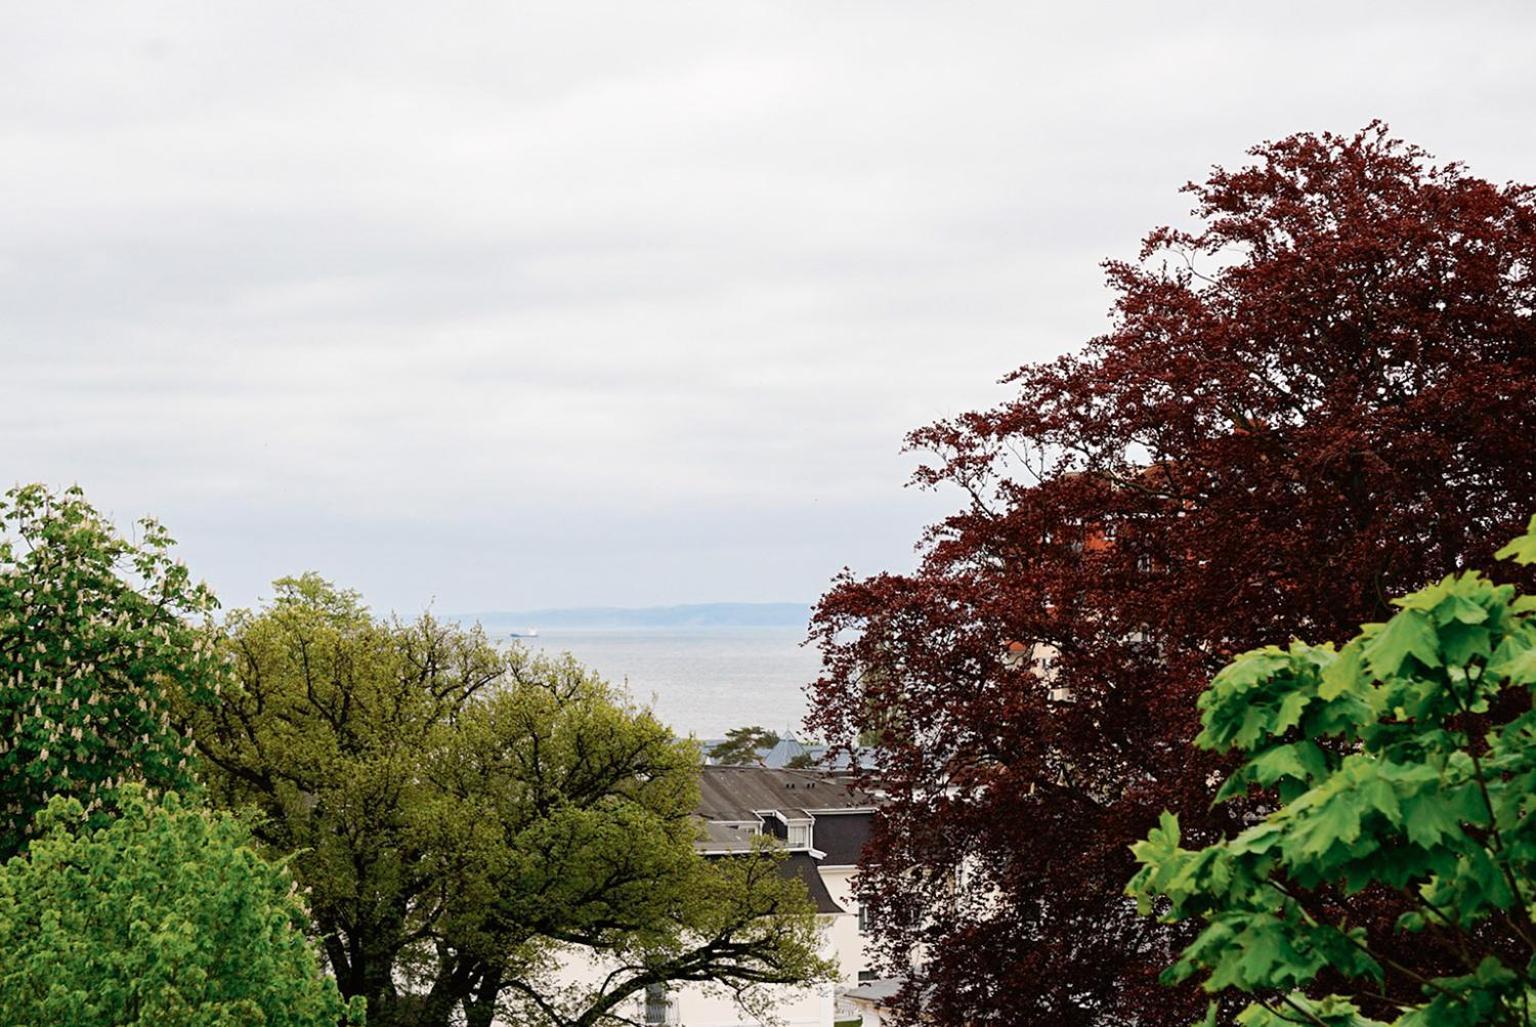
pixel 509 305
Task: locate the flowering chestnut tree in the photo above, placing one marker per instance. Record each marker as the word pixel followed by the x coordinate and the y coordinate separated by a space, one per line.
pixel 1321 395
pixel 98 636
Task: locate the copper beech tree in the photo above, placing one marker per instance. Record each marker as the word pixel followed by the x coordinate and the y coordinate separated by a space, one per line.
pixel 1320 396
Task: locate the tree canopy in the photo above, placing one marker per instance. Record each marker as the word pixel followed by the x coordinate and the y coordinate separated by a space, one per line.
pixel 461 815
pixel 98 634
pixel 1317 397
pixel 165 917
pixel 744 745
pixel 1404 760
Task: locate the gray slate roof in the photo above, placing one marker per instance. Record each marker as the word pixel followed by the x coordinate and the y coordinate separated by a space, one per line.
pixel 801 865
pixel 738 793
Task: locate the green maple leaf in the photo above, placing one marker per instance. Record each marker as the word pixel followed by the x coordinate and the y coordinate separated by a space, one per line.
pixel 1462 640
pixel 1410 633
pixel 1343 674
pixel 1514 663
pixel 1262 949
pixel 1427 819
pixel 1252 669
pixel 1336 821
pixel 1283 761
pixel 1289 714
pixel 1523 548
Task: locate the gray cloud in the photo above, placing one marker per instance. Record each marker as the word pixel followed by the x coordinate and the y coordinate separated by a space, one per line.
pixel 536 304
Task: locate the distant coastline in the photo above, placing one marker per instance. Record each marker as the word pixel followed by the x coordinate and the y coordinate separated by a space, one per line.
pixel 691 615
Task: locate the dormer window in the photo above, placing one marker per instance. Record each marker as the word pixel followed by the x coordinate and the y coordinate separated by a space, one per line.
pixel 798 835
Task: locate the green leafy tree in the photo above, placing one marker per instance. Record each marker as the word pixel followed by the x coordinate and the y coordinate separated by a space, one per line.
pixel 167 917
pixel 744 746
pixel 466 819
pixel 97 633
pixel 733 924
pixel 1403 763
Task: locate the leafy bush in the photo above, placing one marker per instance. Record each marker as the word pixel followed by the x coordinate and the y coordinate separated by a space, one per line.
pixel 164 918
pixel 1403 762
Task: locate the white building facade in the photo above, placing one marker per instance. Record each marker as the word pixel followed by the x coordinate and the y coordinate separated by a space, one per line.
pixel 823 823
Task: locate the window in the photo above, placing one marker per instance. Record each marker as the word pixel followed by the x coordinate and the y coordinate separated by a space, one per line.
pixel 864 919
pixel 658 1005
pixel 799 835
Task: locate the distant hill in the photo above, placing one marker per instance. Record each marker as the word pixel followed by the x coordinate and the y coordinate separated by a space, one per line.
pixel 692 615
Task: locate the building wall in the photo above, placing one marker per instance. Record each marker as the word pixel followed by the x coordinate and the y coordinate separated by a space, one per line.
pixel 843 931
pixel 695 1005
pixel 847 941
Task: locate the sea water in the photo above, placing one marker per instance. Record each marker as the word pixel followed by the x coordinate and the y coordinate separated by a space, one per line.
pixel 700 681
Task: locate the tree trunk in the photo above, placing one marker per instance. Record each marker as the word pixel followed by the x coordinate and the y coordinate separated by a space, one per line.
pixel 454 983
pixel 480 1009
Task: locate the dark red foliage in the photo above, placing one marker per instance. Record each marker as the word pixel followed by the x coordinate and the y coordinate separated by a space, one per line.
pixel 1323 397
